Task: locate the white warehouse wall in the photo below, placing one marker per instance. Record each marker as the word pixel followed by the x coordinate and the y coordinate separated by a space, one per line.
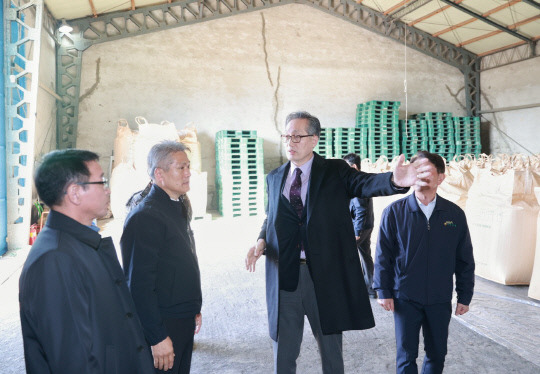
pixel 508 86
pixel 248 72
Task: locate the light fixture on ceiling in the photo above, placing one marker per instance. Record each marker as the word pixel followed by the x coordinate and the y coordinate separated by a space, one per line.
pixel 64 27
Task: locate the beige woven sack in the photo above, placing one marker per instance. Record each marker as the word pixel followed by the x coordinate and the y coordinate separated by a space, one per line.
pixel 534 287
pixel 149 135
pixel 188 136
pixel 501 212
pixel 123 143
pixel 458 180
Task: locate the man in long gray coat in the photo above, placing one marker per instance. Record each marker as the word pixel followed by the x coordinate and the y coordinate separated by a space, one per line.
pixel 312 264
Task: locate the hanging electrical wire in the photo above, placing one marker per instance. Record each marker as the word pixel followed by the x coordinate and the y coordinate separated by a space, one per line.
pixel 405 81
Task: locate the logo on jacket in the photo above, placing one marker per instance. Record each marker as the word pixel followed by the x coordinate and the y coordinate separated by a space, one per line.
pixel 450 223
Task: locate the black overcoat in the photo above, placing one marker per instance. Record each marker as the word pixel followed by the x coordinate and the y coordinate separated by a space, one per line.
pixel 331 251
pixel 77 314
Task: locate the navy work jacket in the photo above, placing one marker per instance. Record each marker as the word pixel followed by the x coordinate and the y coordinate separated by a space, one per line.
pixel 416 259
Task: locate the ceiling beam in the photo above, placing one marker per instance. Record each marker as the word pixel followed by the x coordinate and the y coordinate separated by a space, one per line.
pixel 93 8
pixel 429 15
pixel 487 20
pixel 488 13
pixel 493 33
pixel 409 8
pixel 395 7
pixel 456 26
pixel 132 4
pixel 532 3
pixel 501 49
pixel 165 16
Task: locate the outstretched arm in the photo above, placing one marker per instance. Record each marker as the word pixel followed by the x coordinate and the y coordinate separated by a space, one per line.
pixel 415 174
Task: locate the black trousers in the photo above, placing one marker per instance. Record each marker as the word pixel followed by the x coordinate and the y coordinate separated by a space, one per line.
pixel 181 331
pixel 434 319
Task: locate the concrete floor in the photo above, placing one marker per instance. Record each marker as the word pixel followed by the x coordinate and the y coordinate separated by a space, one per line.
pixel 500 334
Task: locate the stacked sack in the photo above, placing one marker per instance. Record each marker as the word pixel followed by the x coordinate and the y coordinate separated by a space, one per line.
pixel 534 288
pixel 502 213
pixel 382 165
pixel 130 173
pixel 458 180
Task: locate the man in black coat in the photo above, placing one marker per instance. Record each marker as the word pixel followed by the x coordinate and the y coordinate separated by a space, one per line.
pixel 160 262
pixel 77 315
pixel 312 264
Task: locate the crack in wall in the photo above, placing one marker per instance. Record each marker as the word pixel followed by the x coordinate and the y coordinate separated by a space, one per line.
pixel 276 110
pixel 91 90
pixel 455 96
pixel 265 51
pixel 275 99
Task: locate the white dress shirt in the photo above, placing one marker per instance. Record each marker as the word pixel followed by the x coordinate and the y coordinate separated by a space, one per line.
pixel 427 209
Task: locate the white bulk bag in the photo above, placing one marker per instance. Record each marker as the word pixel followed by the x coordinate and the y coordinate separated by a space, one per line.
pixel 149 135
pixel 501 212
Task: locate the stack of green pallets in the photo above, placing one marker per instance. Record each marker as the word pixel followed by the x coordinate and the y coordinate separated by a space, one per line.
pixel 381 120
pixel 414 137
pixel 325 145
pixel 350 140
pixel 440 126
pixel 239 173
pixel 467 135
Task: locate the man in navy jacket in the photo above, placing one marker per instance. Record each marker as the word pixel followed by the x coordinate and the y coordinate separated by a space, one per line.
pixel 423 241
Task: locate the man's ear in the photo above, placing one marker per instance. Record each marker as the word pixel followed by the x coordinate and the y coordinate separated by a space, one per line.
pixel 158 176
pixel 440 178
pixel 73 194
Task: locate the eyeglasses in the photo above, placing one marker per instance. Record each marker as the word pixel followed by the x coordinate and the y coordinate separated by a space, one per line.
pixel 104 181
pixel 295 138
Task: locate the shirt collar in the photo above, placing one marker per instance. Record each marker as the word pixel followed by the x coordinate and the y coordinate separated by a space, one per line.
pixel 83 233
pixel 306 168
pixel 430 205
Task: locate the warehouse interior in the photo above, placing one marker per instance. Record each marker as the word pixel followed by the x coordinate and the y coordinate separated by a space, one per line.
pixel 208 67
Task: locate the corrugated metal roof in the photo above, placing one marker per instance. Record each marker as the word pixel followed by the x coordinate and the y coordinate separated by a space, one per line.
pixel 482 27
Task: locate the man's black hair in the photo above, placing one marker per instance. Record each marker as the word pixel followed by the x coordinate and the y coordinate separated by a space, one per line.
pixel 353 159
pixel 434 158
pixel 58 170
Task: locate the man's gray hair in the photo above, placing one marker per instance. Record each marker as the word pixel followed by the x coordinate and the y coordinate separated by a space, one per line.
pixel 160 156
pixel 314 127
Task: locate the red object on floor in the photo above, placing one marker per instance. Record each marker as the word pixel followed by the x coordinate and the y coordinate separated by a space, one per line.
pixel 34 230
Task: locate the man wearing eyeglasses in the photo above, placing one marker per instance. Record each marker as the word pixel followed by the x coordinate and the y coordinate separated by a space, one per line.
pixel 76 311
pixel 312 264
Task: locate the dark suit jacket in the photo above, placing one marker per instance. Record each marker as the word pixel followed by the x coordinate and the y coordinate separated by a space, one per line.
pixel 330 245
pixel 160 263
pixel 77 315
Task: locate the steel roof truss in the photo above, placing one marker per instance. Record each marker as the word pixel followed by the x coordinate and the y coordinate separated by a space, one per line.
pixel 118 25
pixel 487 20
